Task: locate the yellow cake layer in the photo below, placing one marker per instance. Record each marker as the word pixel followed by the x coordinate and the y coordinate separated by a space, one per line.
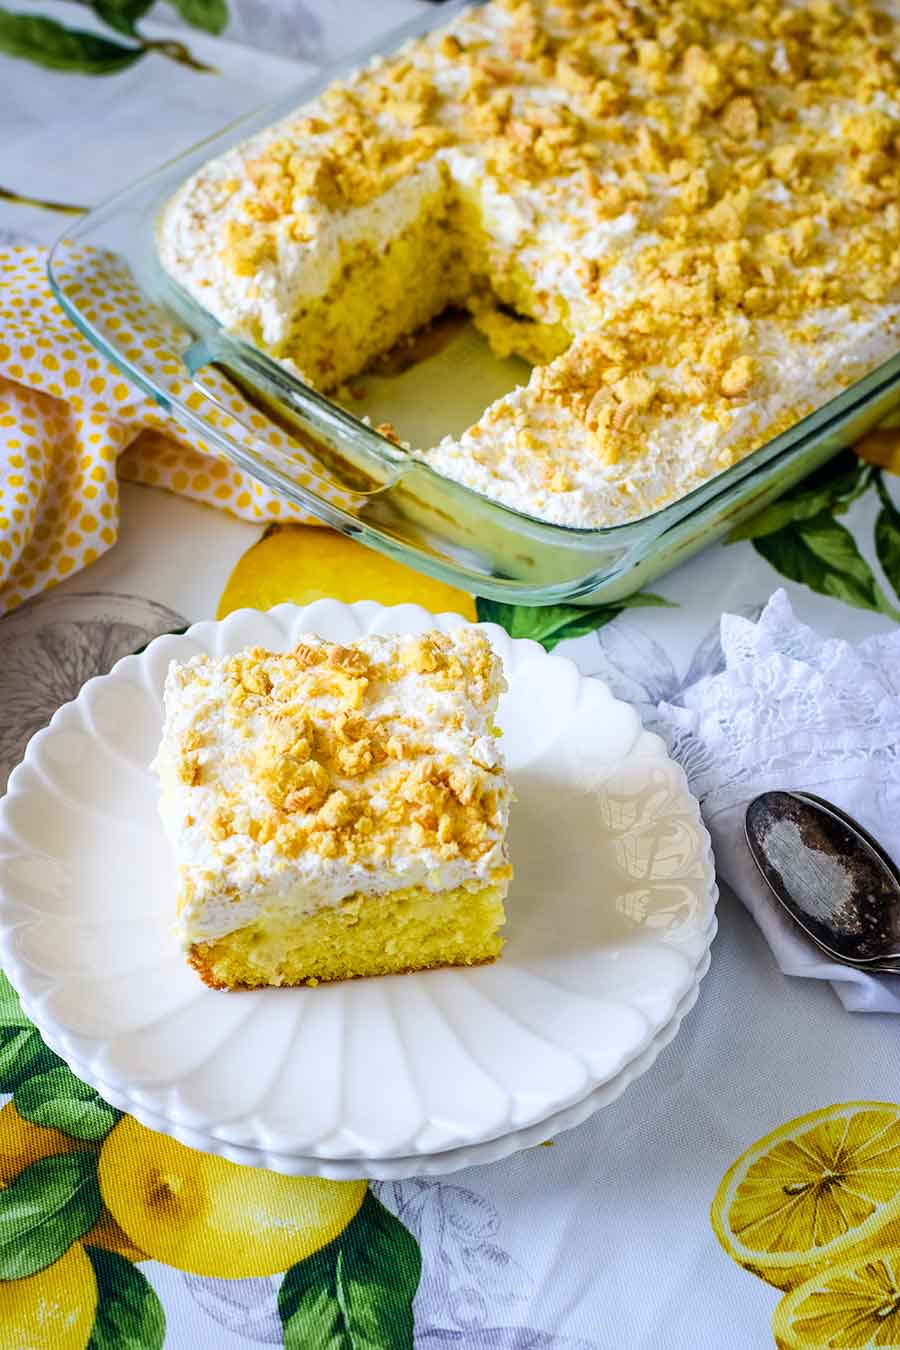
pixel 382 295
pixel 378 297
pixel 406 930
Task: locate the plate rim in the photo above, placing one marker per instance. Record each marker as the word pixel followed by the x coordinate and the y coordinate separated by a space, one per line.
pixel 442 1162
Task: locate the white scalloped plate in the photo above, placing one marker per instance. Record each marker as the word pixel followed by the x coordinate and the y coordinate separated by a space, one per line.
pixel 610 918
pixel 449 1160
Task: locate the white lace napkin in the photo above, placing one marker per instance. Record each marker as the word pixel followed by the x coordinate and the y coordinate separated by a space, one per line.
pixel 794 710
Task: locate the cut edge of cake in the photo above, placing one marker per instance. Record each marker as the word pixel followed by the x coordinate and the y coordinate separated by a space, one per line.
pixel 397 933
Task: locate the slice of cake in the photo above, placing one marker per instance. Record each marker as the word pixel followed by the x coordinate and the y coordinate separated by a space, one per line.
pixel 337 811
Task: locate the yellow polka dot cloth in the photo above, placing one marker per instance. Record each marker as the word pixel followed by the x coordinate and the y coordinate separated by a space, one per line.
pixel 71 425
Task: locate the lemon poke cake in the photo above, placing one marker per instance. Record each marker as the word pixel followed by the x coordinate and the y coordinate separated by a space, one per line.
pixel 337 811
pixel 685 215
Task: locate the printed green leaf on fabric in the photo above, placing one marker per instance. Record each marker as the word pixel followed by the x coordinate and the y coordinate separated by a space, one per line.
pixel 379 1273
pixel 11 1014
pixel 50 44
pixel 129 1314
pixel 48 1206
pixel 831 488
pixel 835 548
pixel 122 14
pixel 23 1054
pixel 309 1305
pixel 800 537
pixel 551 624
pixel 356 1293
pixel 211 15
pixel 61 1101
pixel 887 536
pixel 821 553
pixel 20 1056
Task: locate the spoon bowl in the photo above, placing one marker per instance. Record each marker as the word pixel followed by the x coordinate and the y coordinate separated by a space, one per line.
pixel 829 874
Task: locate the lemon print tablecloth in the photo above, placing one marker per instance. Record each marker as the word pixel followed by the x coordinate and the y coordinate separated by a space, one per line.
pixel 744 1193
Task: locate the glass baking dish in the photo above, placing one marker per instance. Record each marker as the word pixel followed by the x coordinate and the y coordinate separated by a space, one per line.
pixel 341 470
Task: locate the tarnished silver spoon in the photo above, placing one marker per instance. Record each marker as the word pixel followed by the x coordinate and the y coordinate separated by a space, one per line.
pixel 836 881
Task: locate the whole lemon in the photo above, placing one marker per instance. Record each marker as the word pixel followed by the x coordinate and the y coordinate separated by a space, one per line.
pixel 211 1217
pixel 303 563
pixel 52 1310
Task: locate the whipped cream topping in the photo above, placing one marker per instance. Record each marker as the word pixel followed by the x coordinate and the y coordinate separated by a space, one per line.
pixel 290 782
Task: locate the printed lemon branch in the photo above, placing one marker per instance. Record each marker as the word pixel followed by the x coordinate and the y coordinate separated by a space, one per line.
pixel 75 1178
pixel 51 1207
pixel 48 43
pixel 61 1101
pixel 177 51
pixel 20 199
pixel 44 1091
pixel 123 15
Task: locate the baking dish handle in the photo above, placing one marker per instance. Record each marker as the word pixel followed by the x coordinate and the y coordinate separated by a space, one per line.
pixel 326 444
pixel 347 475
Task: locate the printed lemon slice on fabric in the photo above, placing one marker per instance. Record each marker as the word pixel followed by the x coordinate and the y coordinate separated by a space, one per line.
pixel 207 1216
pixel 852 1305
pixel 302 563
pixel 822 1189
